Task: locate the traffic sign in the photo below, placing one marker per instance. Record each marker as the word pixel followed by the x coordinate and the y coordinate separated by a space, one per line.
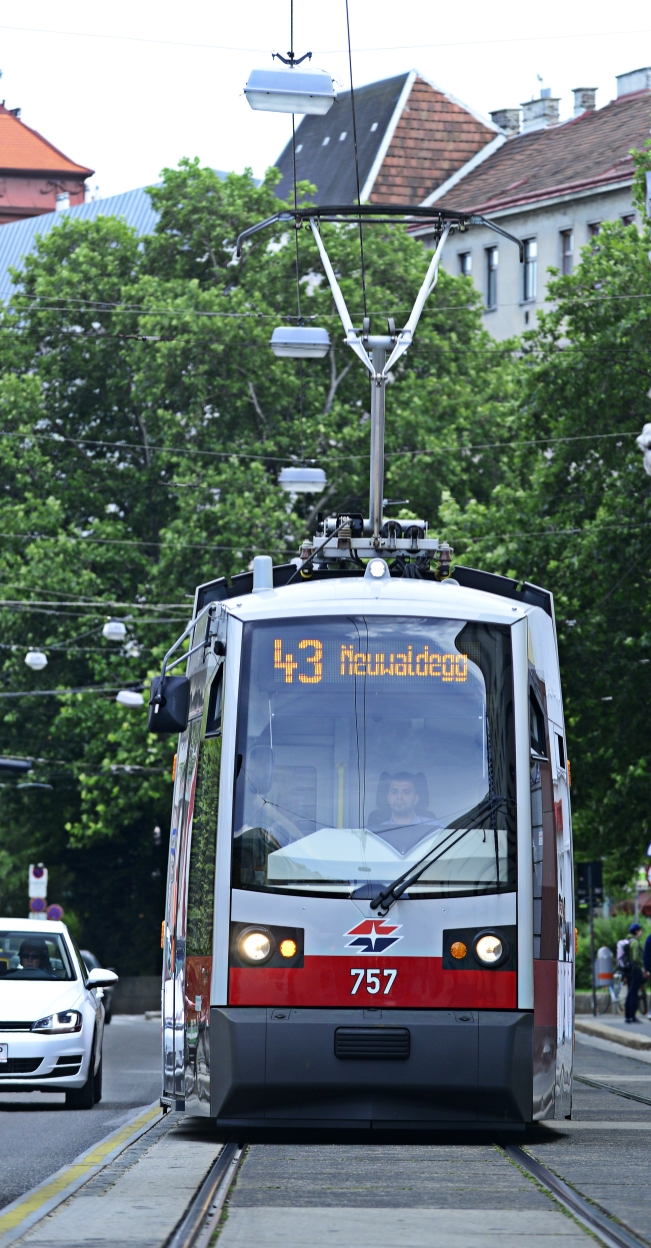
pixel 37 905
pixel 37 880
pixel 55 911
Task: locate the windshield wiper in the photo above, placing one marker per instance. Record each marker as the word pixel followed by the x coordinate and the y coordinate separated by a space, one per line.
pixel 387 898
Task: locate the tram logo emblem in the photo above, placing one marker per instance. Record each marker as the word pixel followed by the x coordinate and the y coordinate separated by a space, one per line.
pixel 373 936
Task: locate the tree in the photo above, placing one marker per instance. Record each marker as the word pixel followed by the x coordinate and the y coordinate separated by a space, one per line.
pixel 573 512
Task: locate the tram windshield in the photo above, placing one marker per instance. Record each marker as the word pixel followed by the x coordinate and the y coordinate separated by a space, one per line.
pixel 364 744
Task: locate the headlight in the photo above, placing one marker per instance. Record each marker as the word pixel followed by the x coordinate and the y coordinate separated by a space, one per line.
pixel 55 1024
pixel 255 947
pixel 490 949
pixel 288 948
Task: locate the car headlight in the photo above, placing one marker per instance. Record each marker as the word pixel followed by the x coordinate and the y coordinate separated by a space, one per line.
pixel 56 1024
pixel 490 949
pixel 255 946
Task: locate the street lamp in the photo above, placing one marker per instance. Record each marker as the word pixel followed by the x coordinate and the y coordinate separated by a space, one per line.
pixel 36 660
pixel 300 342
pixel 302 480
pixel 286 89
pixel 129 697
pixel 114 630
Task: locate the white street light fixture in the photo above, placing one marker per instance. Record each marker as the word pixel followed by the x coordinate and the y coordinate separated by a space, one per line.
pixel 36 660
pixel 129 697
pixel 300 342
pixel 285 89
pixel 114 630
pixel 302 480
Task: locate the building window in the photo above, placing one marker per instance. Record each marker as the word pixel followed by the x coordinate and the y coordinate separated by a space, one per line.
pixel 491 277
pixel 465 263
pixel 567 251
pixel 530 268
pixel 628 218
pixel 593 228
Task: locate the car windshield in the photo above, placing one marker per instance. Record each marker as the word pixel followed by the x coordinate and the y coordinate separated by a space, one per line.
pixel 362 743
pixel 26 955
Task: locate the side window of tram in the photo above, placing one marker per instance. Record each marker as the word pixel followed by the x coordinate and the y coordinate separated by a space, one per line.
pixel 536 726
pixel 215 700
pixel 203 847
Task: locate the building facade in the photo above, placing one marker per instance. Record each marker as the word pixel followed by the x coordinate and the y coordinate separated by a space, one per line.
pixel 35 177
pixel 551 184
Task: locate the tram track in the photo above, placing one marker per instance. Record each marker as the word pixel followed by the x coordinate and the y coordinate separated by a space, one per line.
pixel 597 1220
pixel 198 1224
pixel 608 1087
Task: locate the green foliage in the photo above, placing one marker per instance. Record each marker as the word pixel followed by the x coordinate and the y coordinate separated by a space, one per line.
pixel 573 512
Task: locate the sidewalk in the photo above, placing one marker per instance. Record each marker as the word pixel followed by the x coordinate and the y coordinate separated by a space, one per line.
pixel 613 1027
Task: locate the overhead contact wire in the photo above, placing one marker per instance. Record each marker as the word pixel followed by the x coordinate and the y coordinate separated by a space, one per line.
pixel 359 198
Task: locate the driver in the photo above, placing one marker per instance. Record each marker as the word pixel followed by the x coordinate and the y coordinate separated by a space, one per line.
pixel 34 955
pixel 405 827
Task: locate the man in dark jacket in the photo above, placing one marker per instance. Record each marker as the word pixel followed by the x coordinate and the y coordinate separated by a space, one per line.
pixel 634 973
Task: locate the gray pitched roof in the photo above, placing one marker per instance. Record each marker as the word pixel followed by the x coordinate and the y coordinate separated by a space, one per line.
pixel 331 164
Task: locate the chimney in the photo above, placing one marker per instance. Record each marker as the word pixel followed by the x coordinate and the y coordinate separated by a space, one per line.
pixel 636 80
pixel 584 100
pixel 508 119
pixel 539 114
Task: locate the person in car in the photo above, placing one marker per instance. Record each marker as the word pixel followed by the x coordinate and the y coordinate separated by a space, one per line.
pixel 34 956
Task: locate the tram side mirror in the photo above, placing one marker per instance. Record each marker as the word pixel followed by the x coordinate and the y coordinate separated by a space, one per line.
pixel 169 704
pixel 260 768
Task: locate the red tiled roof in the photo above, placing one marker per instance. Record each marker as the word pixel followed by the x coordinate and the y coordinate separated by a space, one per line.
pixel 434 137
pixel 24 150
pixel 592 150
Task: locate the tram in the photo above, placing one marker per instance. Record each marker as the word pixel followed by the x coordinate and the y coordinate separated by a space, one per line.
pixel 369 922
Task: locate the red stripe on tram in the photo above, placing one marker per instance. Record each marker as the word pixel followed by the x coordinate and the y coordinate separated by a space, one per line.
pixel 418 983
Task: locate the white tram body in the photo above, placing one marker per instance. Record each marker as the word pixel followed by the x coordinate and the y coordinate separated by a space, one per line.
pixel 341 730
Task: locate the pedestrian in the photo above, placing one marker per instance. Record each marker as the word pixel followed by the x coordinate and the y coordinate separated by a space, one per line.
pixel 647 964
pixel 634 972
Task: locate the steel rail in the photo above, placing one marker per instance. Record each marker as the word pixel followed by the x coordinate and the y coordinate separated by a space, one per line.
pixel 603 1225
pixel 198 1223
pixel 608 1087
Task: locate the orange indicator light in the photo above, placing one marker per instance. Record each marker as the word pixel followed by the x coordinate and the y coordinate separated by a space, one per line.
pixel 458 949
pixel 287 948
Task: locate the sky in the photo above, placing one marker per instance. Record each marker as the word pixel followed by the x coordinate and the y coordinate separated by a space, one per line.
pixel 130 88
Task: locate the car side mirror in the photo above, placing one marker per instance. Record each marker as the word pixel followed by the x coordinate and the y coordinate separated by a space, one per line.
pixel 100 978
pixel 169 704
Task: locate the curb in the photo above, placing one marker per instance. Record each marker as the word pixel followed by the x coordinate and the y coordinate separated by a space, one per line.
pixel 18 1217
pixel 604 1032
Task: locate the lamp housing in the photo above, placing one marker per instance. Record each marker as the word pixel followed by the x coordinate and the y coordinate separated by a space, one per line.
pixel 282 89
pixel 300 342
pixel 302 480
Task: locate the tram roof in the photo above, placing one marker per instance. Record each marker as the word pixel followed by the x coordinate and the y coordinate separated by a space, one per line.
pixel 398 596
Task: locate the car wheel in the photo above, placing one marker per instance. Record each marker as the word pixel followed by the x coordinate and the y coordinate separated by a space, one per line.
pixel 108 1014
pixel 84 1097
pixel 97 1083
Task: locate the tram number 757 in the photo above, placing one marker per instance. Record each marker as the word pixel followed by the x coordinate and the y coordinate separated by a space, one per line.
pixel 373 981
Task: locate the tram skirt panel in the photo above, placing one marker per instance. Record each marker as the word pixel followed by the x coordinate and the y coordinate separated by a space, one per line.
pixel 356 1067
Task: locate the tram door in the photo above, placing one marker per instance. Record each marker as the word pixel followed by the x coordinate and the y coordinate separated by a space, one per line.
pixel 174 931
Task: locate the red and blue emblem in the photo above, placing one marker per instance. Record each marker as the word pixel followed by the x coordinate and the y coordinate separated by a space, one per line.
pixel 373 936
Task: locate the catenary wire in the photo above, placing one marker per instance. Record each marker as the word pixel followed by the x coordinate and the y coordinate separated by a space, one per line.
pixel 405 47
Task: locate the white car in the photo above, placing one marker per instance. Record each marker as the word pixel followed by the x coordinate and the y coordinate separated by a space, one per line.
pixel 51 1013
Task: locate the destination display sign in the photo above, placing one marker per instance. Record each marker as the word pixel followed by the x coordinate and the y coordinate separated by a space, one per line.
pixel 309 661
